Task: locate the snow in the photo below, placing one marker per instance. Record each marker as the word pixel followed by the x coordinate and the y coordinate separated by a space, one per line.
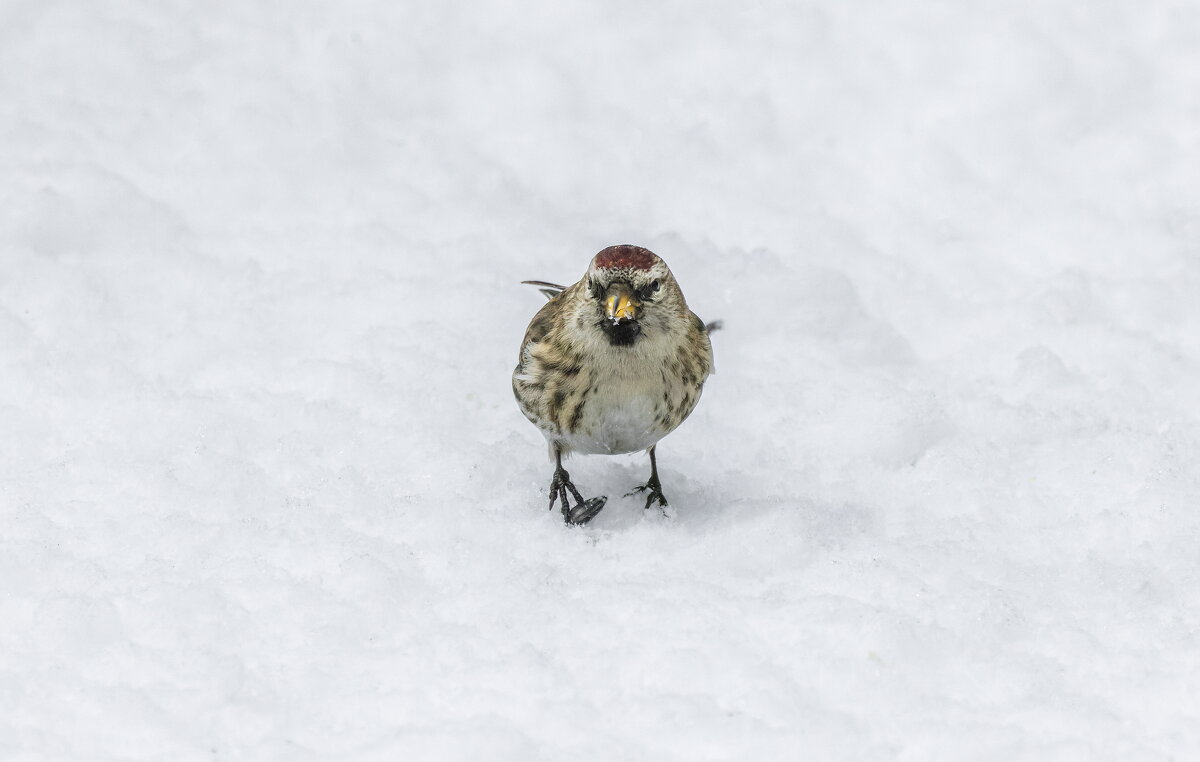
pixel 264 492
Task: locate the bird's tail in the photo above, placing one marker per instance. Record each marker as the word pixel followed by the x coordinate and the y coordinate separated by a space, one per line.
pixel 550 290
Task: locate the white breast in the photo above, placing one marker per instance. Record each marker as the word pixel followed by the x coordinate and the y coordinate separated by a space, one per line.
pixel 618 421
pixel 628 395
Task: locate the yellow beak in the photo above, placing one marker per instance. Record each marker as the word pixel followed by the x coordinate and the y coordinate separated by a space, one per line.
pixel 621 304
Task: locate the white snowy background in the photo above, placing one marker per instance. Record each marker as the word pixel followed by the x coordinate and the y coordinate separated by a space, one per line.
pixel 264 491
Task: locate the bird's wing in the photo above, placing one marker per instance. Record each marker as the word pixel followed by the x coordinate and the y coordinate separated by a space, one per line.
pixel 551 290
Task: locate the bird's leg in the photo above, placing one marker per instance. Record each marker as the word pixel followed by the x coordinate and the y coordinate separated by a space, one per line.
pixel 653 487
pixel 584 510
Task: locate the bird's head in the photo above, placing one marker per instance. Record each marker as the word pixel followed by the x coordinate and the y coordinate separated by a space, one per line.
pixel 631 292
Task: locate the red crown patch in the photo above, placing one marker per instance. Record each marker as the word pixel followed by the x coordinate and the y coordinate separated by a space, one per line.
pixel 634 257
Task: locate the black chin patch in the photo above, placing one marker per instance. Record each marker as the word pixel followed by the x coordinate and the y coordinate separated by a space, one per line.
pixel 622 334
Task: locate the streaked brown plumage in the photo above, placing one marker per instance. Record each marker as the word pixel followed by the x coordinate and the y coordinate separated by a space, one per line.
pixel 611 365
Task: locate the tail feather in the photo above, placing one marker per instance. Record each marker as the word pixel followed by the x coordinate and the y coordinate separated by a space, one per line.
pixel 550 290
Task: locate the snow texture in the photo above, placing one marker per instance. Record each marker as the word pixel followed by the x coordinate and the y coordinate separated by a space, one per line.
pixel 265 492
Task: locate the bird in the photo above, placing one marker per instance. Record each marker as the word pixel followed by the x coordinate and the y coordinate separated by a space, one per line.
pixel 611 365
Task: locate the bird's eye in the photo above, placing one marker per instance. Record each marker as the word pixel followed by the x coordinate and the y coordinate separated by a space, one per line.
pixel 648 291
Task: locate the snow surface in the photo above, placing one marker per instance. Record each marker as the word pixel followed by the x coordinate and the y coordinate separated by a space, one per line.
pixel 266 495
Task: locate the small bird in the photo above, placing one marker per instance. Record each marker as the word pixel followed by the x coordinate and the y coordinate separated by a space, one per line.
pixel 611 365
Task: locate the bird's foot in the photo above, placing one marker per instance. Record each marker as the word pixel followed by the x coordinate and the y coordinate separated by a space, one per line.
pixel 584 510
pixel 653 492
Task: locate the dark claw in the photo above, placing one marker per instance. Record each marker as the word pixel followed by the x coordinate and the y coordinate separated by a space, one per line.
pixel 655 491
pixel 652 484
pixel 584 510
